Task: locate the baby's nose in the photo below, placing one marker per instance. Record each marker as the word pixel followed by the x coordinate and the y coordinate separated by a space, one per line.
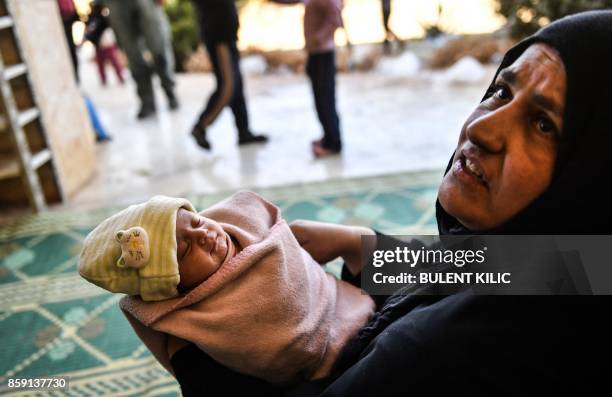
pixel 204 236
pixel 211 236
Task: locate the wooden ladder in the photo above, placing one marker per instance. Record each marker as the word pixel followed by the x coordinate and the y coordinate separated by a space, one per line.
pixel 26 151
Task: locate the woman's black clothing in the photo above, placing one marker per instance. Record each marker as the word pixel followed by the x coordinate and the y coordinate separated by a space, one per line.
pixel 200 375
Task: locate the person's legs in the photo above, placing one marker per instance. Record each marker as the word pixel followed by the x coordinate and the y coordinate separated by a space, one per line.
pixel 101 134
pixel 321 69
pixel 100 62
pixel 215 104
pixel 126 25
pixel 313 71
pixel 220 97
pixel 158 39
pixel 113 57
pixel 386 12
pixel 238 104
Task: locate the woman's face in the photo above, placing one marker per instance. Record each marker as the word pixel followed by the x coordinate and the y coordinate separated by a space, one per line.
pixel 507 148
pixel 201 247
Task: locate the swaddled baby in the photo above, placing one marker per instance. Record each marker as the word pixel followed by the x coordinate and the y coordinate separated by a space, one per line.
pixel 232 279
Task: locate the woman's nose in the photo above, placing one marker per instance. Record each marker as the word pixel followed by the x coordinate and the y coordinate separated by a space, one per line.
pixel 490 130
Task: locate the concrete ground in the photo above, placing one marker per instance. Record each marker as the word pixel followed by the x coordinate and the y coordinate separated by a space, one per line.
pixel 396 118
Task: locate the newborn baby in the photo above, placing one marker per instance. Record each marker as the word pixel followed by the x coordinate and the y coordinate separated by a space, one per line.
pixel 232 279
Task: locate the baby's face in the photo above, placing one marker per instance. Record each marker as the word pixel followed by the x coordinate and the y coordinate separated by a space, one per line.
pixel 201 247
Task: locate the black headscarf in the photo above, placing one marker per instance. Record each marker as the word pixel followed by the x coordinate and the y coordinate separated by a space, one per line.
pixel 579 198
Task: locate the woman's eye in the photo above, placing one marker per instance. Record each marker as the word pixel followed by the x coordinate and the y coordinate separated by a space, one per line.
pixel 501 92
pixel 546 125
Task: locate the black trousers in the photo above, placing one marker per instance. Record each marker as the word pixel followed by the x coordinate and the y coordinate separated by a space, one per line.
pixel 236 101
pixel 321 69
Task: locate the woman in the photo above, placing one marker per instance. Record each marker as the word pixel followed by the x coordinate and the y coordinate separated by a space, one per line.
pixel 532 159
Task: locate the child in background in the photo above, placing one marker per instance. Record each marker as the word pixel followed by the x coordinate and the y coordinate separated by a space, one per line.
pixel 101 35
pixel 232 280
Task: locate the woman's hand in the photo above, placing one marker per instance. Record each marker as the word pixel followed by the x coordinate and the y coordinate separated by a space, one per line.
pixel 327 241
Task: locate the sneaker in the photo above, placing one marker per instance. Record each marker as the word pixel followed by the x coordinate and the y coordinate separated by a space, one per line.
pixel 248 137
pixel 103 138
pixel 199 133
pixel 146 111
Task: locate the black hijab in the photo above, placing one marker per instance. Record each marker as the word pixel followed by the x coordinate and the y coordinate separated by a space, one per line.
pixel 579 198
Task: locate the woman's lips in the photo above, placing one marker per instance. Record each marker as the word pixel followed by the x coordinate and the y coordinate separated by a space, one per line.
pixel 468 170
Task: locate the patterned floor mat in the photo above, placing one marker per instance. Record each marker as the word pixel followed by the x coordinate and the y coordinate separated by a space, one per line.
pixel 54 323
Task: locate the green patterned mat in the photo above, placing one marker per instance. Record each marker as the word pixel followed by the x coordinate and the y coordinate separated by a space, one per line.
pixel 54 323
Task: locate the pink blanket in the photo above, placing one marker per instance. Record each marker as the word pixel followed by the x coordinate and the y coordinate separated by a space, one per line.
pixel 270 311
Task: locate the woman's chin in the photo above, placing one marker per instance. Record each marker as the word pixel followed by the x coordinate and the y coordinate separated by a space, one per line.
pixel 450 198
pixel 459 207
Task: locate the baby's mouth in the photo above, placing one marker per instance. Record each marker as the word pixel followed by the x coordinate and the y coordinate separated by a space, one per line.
pixel 213 246
pixel 228 247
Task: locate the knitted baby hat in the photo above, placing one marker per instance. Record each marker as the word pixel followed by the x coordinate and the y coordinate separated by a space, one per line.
pixel 134 251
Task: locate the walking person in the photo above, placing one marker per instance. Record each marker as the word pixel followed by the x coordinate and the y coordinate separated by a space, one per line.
pixel 218 20
pixel 101 35
pixel 321 19
pixel 143 25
